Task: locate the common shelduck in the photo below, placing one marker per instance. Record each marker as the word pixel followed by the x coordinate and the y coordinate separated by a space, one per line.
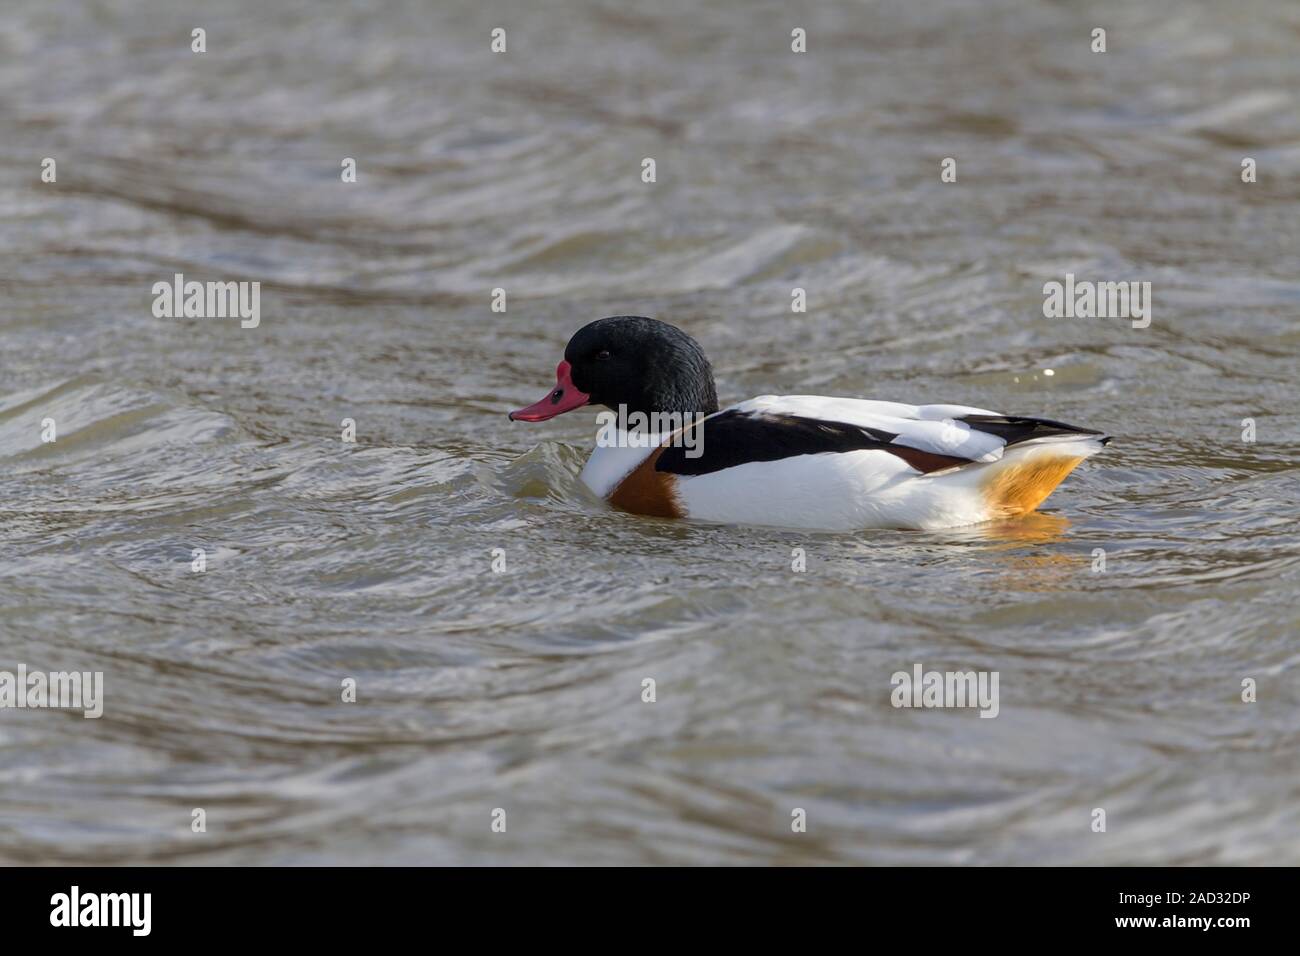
pixel 793 461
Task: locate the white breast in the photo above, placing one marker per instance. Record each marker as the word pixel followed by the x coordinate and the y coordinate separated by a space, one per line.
pixel 610 464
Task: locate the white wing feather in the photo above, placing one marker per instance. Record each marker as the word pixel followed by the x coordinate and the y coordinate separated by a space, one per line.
pixel 931 428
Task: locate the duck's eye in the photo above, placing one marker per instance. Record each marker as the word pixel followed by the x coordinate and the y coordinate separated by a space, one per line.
pixel 602 355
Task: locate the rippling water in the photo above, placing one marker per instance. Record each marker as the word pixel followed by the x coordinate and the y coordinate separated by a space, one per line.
pixel 1120 689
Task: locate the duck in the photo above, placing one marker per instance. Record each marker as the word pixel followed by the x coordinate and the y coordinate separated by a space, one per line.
pixel 808 462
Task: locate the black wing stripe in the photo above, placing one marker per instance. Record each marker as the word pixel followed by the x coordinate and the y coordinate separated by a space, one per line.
pixel 737 438
pixel 1014 429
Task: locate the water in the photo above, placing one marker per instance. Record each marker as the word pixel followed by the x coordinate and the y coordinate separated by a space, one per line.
pixel 521 690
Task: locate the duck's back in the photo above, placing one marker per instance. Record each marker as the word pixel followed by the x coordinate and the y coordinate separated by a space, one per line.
pixel 836 464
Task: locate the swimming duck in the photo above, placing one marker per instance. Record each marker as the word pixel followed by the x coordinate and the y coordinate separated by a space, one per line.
pixel 793 461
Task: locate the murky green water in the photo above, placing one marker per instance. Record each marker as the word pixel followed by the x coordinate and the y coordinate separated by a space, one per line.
pixel 1120 689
